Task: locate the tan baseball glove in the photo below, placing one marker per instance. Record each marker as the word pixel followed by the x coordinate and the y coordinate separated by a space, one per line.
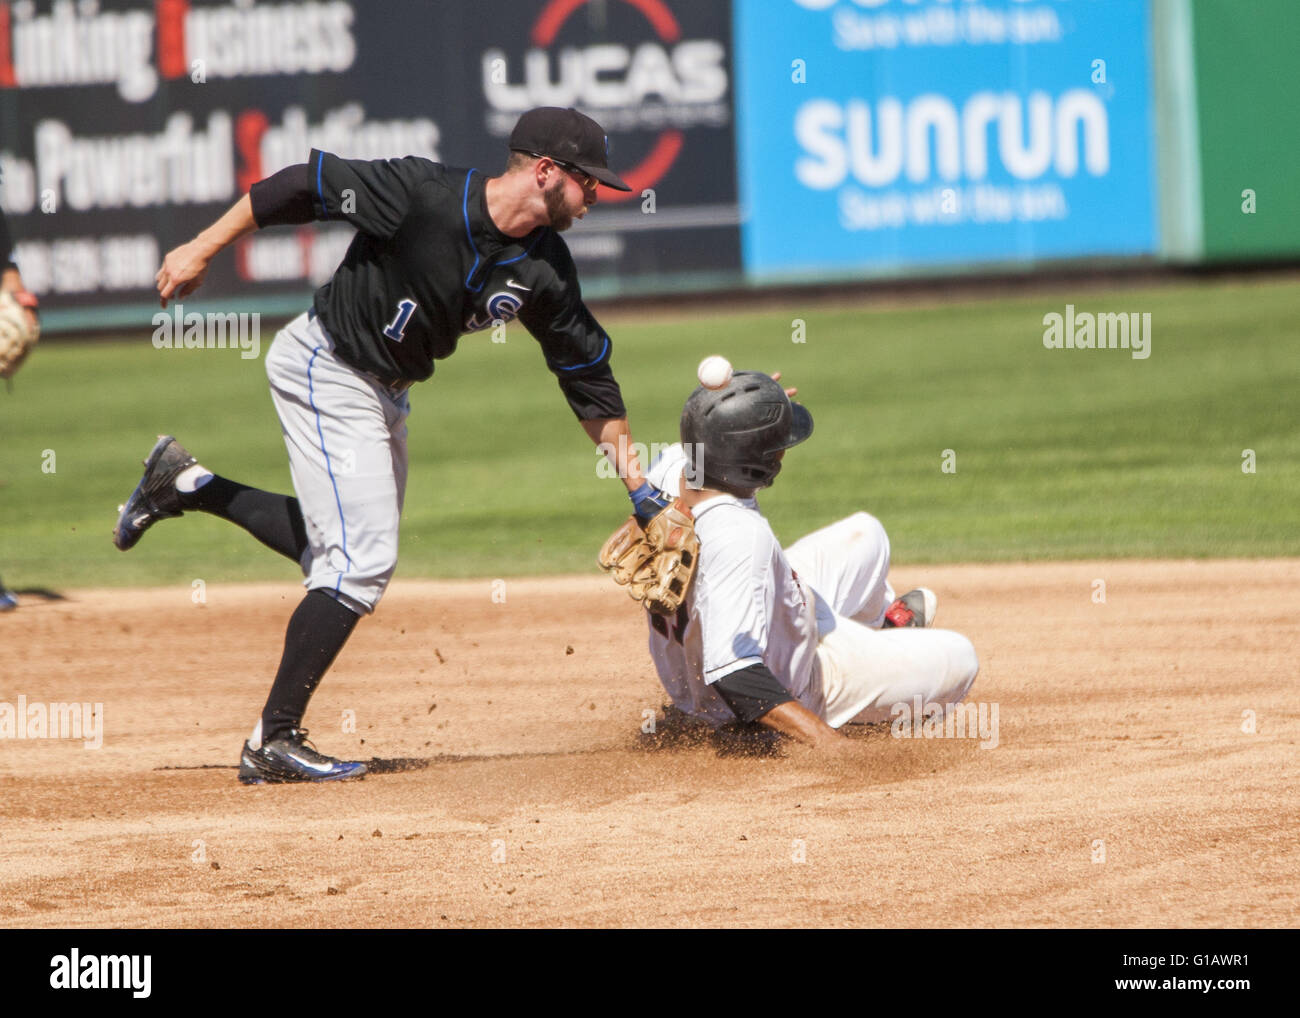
pixel 17 334
pixel 655 564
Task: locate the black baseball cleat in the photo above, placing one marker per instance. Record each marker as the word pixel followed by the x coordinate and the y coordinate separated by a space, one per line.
pixel 292 758
pixel 916 608
pixel 155 497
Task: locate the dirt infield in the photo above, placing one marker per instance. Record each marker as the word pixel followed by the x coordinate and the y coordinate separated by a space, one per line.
pixel 515 787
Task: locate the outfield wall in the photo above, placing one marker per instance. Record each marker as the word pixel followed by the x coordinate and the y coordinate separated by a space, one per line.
pixel 1248 140
pixel 768 141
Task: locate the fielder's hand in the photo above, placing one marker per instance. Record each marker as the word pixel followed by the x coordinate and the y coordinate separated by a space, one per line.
pixel 19 330
pixel 648 502
pixel 183 270
pixel 656 563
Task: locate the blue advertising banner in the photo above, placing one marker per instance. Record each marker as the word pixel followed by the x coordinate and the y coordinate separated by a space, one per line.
pixel 878 135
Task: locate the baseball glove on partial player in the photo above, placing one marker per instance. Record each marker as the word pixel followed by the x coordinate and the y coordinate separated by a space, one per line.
pixel 656 564
pixel 17 335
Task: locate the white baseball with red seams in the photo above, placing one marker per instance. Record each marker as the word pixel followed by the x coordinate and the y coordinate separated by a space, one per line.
pixel 714 372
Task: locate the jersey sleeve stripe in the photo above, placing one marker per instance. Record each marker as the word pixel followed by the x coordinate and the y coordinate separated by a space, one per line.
pixel 599 357
pixel 320 168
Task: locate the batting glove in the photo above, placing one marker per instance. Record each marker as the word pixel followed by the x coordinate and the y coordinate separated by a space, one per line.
pixel 648 502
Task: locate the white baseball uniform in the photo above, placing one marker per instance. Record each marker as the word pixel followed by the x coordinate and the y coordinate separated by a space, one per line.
pixel 811 615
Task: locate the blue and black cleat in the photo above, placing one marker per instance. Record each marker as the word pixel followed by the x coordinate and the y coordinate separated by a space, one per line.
pixel 292 758
pixel 155 497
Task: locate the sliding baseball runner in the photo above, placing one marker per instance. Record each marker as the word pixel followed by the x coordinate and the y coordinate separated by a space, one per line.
pixel 802 640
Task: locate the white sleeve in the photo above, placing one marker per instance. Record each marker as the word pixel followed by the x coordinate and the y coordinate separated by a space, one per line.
pixel 665 472
pixel 734 599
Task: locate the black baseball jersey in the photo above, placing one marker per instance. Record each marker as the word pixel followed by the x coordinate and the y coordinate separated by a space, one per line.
pixel 428 265
pixel 6 244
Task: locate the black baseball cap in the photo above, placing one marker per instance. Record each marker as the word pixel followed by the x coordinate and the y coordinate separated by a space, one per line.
pixel 567 136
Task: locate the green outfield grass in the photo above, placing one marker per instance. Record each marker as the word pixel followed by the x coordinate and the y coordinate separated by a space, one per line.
pixel 1059 453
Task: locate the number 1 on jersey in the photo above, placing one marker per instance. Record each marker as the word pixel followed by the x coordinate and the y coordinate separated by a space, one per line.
pixel 396 329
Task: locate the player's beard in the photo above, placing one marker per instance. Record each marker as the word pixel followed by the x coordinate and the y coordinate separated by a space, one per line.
pixel 560 218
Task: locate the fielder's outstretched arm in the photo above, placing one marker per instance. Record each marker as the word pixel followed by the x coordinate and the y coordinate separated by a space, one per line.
pixel 184 267
pixel 284 198
pixel 613 434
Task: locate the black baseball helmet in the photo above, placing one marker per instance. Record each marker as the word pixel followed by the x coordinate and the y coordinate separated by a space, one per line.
pixel 734 435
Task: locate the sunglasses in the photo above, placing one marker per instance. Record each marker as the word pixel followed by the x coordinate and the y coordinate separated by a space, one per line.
pixel 584 179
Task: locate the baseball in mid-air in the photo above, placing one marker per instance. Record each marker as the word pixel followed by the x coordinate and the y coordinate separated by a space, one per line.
pixel 714 372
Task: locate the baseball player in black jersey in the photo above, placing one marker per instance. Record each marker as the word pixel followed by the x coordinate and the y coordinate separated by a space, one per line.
pixel 439 252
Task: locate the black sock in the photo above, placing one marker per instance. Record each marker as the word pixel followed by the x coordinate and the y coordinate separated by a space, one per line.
pixel 275 520
pixel 319 628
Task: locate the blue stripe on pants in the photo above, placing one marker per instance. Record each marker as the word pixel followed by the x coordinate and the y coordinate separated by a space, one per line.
pixel 338 501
